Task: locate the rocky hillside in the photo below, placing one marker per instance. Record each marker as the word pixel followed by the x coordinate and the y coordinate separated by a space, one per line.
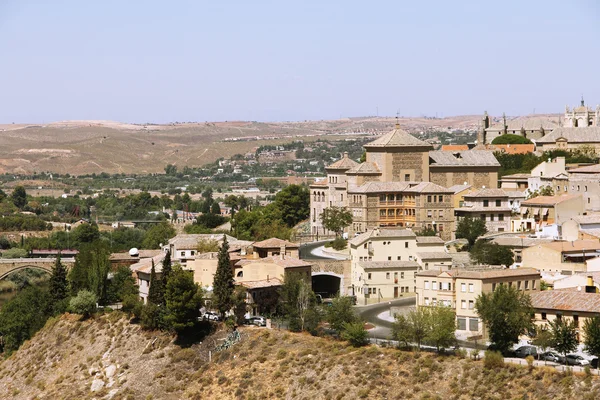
pixel 109 358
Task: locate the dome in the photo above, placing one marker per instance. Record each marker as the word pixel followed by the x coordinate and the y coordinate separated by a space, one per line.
pixel 134 252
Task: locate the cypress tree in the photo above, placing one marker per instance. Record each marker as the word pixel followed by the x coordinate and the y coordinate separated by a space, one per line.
pixel 223 285
pixel 59 287
pixel 166 268
pixel 155 292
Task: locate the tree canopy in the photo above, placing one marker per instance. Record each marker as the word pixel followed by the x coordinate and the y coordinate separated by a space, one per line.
pixel 484 252
pixel 223 283
pixel 511 139
pixel 336 219
pixel 470 229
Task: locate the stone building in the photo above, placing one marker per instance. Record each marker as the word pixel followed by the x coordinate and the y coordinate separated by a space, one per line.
pixel 582 116
pixel 529 127
pixel 490 205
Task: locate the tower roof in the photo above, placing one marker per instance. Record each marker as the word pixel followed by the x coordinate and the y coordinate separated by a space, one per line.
pixel 397 138
pixel 344 163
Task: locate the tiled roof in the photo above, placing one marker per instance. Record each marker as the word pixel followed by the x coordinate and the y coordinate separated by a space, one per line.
pixel 588 169
pixel 516 176
pixel 480 208
pixel 463 158
pixel 344 163
pixel 455 147
pixel 566 300
pixel 487 193
pixel 513 194
pixel 388 264
pixel 575 245
pixel 433 255
pixel 264 283
pixel 513 241
pixel 275 242
pixel 365 168
pixel 398 138
pixel 190 241
pixel 427 187
pixel 381 233
pixel 548 200
pixel 529 124
pixel 490 273
pixel 459 188
pixel 377 187
pixel 430 239
pixel 287 262
pixel 585 134
pixel 587 219
pixel 145 264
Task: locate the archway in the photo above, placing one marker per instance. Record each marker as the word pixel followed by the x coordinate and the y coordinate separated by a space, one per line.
pixel 327 284
pixel 4 273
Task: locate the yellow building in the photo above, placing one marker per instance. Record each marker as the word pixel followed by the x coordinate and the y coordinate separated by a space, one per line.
pixel 566 257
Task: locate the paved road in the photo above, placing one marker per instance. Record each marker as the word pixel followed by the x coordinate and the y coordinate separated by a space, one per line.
pixel 305 251
pixel 383 328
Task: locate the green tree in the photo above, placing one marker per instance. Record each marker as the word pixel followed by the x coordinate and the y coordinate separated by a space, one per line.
pixel 157 235
pixel 340 313
pixel 299 303
pixel 363 157
pixel 19 197
pixel 84 303
pixel 355 333
pixel 591 331
pixel 442 332
pixel 207 246
pixel 511 139
pixel 420 324
pixel 239 304
pixel 155 291
pixel 470 229
pixel 507 313
pixel 293 202
pixel 336 219
pixel 564 335
pixel 543 338
pixel 132 305
pixel 167 267
pixel 171 169
pixel 85 233
pixel 183 298
pixel 484 252
pixel 215 208
pixel 58 285
pixel 223 283
pixel 15 252
pixel 426 232
pixel 121 285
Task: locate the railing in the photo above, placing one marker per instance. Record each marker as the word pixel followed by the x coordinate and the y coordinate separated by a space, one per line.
pixel 396 203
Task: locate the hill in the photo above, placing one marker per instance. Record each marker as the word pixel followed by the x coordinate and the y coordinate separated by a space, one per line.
pixel 109 358
pixel 79 147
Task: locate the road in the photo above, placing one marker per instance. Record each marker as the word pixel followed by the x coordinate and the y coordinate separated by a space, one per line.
pixel 383 328
pixel 306 249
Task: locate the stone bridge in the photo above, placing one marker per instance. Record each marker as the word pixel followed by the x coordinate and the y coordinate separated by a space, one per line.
pixel 339 269
pixel 10 265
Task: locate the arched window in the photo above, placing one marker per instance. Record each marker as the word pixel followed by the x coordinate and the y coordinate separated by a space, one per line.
pixel 240 274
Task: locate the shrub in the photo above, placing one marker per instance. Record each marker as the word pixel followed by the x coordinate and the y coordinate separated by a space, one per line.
pixel 339 243
pixel 529 360
pixel 84 303
pixel 355 333
pixel 132 305
pixel 493 359
pixel 511 139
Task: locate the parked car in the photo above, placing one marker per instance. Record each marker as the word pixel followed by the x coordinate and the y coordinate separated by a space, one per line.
pixel 552 356
pixel 574 359
pixel 525 351
pixel 256 320
pixel 211 316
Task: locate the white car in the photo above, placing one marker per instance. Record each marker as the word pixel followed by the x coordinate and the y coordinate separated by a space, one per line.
pixel 211 316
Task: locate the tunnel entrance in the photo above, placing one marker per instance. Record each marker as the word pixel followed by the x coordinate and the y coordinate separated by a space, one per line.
pixel 326 285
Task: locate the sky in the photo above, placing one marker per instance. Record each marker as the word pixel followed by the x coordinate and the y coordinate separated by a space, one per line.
pixel 165 61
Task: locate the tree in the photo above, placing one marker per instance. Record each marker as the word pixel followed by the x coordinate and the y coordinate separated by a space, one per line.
pixel 19 197
pixel 591 330
pixel 470 229
pixel 507 313
pixel 215 209
pixel 183 298
pixel 336 219
pixel 299 303
pixel 442 332
pixel 157 235
pixel 223 283
pixel 58 284
pixel 171 169
pixel 293 202
pixel 84 303
pixel 511 139
pixel 543 191
pixel 166 271
pixel 355 333
pixel 340 313
pixel 413 327
pixel 239 304
pixel 402 331
pixel 484 252
pixel 155 292
pixel 207 246
pixel 132 305
pixel 543 338
pixel 85 233
pixel 121 285
pixel 564 335
pixel 91 268
pixel 426 232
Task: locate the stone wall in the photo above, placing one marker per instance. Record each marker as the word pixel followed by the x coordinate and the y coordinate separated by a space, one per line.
pixel 408 163
pixel 338 267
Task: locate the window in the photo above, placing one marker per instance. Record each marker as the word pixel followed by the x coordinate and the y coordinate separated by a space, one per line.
pixel 441 227
pixel 406 245
pixel 533 284
pixel 387 275
pixel 463 287
pixel 473 324
pixel 518 285
pixel 389 258
pixel 491 217
pixel 544 316
pixel 428 213
pixel 402 289
pixel 434 301
pixel 426 284
pixel 526 285
pixel 441 214
pixel 462 324
pixel 486 203
pixel 440 199
pixel 399 257
pixel 401 275
pixel 498 203
pixel 395 275
pixel 482 216
pixel 407 177
pixel 434 285
pixel 240 274
pixel 183 254
pixel 429 199
pixel 365 246
pixel 585 188
pixel 192 252
pixel 493 287
pixel 471 288
pixel 471 304
pixel 369 275
pixel 426 301
pixel 500 217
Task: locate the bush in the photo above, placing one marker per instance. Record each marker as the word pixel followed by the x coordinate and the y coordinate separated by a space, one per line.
pixel 339 243
pixel 511 139
pixel 529 360
pixel 132 305
pixel 493 359
pixel 355 333
pixel 84 303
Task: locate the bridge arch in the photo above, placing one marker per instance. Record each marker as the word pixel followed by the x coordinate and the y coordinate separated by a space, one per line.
pixel 327 283
pixel 10 265
pixel 7 272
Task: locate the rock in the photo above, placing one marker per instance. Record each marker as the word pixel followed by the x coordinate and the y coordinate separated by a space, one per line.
pixel 111 394
pixel 110 371
pixel 97 384
pixel 93 371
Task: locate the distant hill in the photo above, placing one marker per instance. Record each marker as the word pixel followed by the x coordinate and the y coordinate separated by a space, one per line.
pixel 79 147
pixel 70 358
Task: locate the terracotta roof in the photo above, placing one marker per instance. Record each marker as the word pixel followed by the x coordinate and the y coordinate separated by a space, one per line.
pixel 463 158
pixel 365 168
pixel 489 273
pixel 430 239
pixel 459 188
pixel 589 169
pixel 387 264
pixel 344 163
pixel 275 242
pixel 428 187
pixel 455 147
pixel 264 283
pixel 584 134
pixel 398 138
pixel 587 219
pixel 527 123
pixel 566 300
pixel 548 200
pixel 575 245
pixel 288 262
pixel 381 233
pixel 487 193
pixel 433 255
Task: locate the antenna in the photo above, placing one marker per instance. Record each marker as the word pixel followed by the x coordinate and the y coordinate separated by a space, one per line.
pixel 397 121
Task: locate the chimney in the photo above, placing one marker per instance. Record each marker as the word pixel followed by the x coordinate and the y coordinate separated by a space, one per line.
pixel 282 251
pixel 589 287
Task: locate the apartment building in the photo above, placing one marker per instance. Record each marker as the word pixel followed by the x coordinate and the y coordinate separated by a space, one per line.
pixel 490 205
pixel 459 289
pixel 542 211
pixel 565 257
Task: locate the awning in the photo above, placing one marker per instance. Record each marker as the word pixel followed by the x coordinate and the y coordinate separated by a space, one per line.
pixel 590 253
pixel 524 210
pixel 537 211
pixel 544 211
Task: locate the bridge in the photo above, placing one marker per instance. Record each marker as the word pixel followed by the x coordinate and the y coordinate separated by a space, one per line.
pixel 10 265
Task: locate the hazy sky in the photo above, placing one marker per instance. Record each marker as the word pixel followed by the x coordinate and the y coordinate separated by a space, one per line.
pixel 162 61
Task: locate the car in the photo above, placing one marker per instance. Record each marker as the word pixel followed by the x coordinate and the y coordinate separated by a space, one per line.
pixel 211 316
pixel 256 320
pixel 552 356
pixel 574 359
pixel 525 351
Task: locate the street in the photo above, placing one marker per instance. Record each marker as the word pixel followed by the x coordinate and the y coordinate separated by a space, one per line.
pixel 383 328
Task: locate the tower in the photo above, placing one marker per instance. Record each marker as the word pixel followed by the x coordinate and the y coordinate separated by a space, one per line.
pixel 485 123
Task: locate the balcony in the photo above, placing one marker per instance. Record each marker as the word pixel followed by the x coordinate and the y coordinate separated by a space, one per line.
pixel 387 203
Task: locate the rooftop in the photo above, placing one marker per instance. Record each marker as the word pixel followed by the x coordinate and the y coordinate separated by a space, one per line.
pixel 141 254
pixel 584 134
pixel 516 176
pixel 397 138
pixel 264 283
pixel 588 169
pixel 566 300
pixel 487 193
pixel 275 243
pixel 145 264
pixel 382 233
pixel 365 168
pixel 433 255
pixel 575 245
pixel 344 163
pixel 190 241
pixel 463 158
pixel 286 262
pixel 387 264
pixel 548 200
pixel 587 219
pixel 430 240
pixel 459 188
pixel 528 124
pixel 489 273
pixel 514 241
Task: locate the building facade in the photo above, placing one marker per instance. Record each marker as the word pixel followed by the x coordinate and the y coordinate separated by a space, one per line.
pixel 490 205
